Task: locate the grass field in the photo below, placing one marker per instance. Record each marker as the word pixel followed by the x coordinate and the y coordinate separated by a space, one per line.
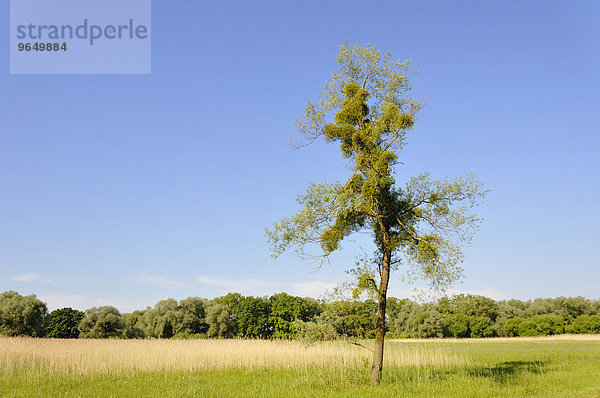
pixel 563 366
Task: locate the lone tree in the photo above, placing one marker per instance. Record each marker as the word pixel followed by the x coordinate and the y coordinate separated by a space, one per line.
pixel 366 108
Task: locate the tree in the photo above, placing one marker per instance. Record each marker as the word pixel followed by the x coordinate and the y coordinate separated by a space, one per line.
pixel 219 321
pixel 21 315
pixel 63 323
pixel 250 315
pixel 285 310
pixel 102 322
pixel 134 325
pixel 350 318
pixel 366 108
pixel 161 320
pixel 191 317
pixel 585 324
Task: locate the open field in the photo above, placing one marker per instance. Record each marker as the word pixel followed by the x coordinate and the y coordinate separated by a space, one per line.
pixel 562 366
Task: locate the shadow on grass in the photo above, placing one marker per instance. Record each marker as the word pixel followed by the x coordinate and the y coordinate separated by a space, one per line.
pixel 501 373
pixel 505 371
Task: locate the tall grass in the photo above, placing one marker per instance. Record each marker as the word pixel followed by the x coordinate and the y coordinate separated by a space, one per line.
pixel 98 356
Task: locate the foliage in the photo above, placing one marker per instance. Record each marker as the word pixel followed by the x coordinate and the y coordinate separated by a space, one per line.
pixel 351 318
pixel 537 325
pixel 101 322
pixel 481 326
pixel 367 110
pixel 314 331
pixel 285 310
pixel 585 324
pixel 168 318
pixel 21 315
pixel 283 316
pixel 219 321
pixel 134 325
pixel 457 325
pixel 477 306
pixel 252 317
pixel 63 323
pixel 429 323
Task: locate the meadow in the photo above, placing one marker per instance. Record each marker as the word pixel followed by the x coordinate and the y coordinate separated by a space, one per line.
pixel 561 366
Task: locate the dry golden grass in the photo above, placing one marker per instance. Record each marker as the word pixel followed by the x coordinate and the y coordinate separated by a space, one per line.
pixel 106 356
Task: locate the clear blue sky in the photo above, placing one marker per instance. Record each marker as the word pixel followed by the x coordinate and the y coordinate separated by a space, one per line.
pixel 125 190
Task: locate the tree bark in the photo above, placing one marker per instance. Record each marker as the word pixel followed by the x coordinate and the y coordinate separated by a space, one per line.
pixel 380 323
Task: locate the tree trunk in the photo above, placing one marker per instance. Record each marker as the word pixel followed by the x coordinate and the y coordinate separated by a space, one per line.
pixel 380 323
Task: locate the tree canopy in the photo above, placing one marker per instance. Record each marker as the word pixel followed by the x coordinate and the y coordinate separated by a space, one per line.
pixel 21 315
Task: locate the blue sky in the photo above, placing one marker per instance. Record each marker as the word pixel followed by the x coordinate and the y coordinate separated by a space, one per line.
pixel 125 190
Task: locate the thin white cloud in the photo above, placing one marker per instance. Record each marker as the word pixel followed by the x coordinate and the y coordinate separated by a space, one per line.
pixel 62 300
pixel 158 281
pixel 426 294
pixel 30 277
pixel 312 289
pixel 82 302
pixel 262 287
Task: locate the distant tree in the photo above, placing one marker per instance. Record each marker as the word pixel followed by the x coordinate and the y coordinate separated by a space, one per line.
pixel 508 310
pixel 570 308
pixel 541 325
pixel 456 325
pixel 351 318
pixel 63 323
pixel 429 323
pixel 481 326
pixel 511 327
pixel 367 109
pixel 252 317
pixel 191 314
pixel 404 322
pixel 161 320
pixel 313 331
pixel 134 325
pixel 286 309
pixel 21 315
pixel 101 322
pixel 540 306
pixel 477 306
pixel 220 323
pixel 585 324
pixel 595 308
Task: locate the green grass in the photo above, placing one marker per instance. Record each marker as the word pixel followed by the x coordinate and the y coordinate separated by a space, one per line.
pixel 509 368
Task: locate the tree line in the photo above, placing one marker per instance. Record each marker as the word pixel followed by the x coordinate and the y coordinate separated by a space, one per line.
pixel 283 316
